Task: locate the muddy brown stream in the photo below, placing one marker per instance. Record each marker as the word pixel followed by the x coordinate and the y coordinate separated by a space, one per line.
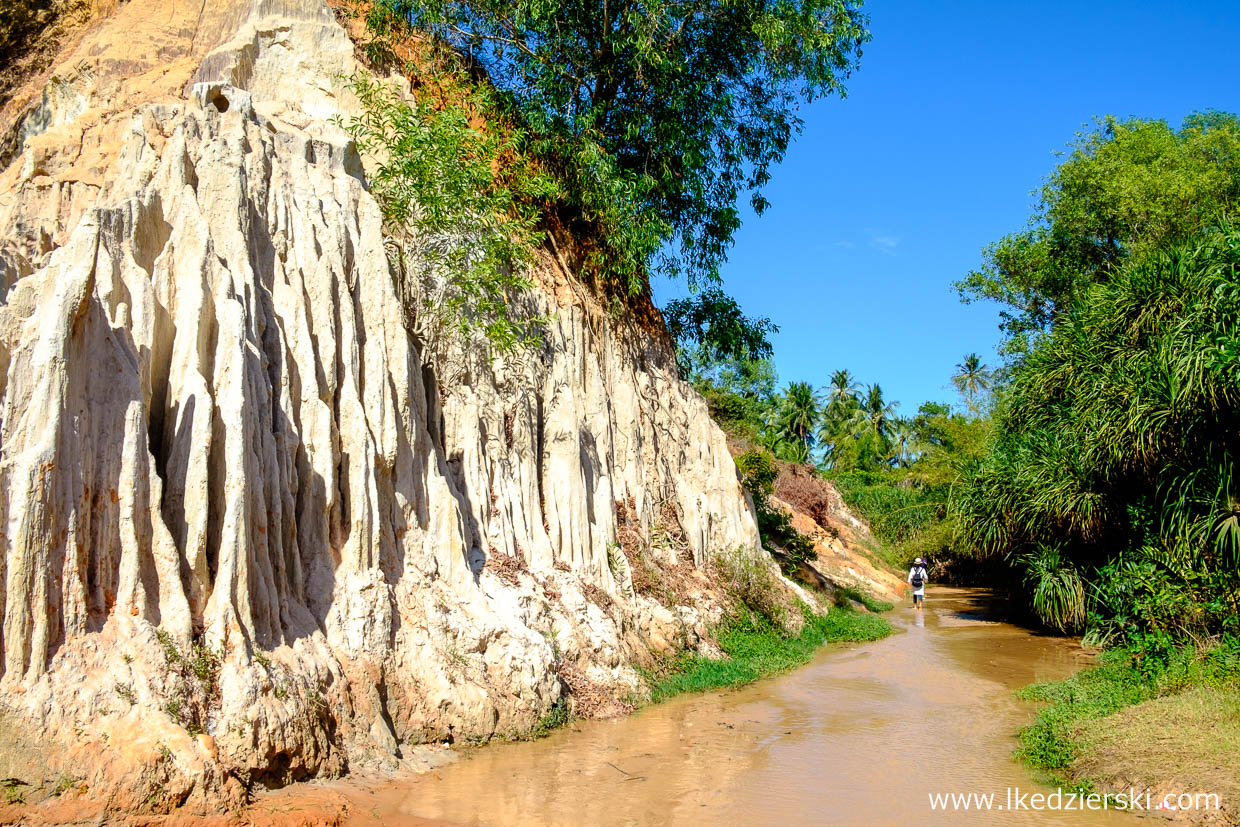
pixel 863 734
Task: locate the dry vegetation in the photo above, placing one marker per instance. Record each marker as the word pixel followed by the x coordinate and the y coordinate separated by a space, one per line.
pixel 598 597
pixel 32 33
pixel 1188 742
pixel 797 486
pixel 590 699
pixel 507 567
pixel 660 563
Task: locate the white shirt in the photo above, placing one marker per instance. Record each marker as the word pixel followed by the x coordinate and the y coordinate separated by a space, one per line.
pixel 925 578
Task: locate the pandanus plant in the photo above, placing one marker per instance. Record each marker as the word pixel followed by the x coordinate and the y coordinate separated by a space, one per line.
pixel 1119 431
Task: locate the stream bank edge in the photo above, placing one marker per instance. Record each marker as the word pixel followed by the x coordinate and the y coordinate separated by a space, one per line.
pixel 1162 724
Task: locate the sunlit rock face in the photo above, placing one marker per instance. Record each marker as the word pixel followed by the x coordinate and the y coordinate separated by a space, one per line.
pixel 250 532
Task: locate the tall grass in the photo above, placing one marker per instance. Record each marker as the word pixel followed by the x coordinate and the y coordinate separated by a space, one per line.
pixel 896 506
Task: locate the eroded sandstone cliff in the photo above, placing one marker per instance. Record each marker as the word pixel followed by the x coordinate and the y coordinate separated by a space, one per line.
pixel 247 536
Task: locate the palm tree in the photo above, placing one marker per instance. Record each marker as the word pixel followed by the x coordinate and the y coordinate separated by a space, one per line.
pixel 902 450
pixel 841 401
pixel 843 388
pixel 972 377
pixel 798 411
pixel 874 414
pixel 871 424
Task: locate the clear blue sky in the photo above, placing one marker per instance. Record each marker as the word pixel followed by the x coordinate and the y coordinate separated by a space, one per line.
pixel 889 196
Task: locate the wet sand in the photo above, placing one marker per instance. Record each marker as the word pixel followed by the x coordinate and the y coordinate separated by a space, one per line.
pixel 863 734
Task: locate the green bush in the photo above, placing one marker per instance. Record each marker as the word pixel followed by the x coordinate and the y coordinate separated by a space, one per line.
pixel 776 529
pixel 196 674
pixel 753 587
pixel 732 411
pixel 555 718
pixel 757 471
pixel 1116 441
pixel 462 235
pixel 1136 599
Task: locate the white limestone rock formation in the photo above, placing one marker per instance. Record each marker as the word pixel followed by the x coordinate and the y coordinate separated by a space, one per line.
pixel 246 536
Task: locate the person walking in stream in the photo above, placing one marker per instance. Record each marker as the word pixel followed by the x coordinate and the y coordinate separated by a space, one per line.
pixel 917 577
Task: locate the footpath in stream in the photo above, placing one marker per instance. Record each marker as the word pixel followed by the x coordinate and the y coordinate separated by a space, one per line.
pixel 866 733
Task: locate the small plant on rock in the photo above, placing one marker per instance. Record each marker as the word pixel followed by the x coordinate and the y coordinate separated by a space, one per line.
pixel 195 681
pixel 12 795
pixel 64 783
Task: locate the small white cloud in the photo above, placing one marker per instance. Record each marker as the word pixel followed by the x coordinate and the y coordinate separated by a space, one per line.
pixel 884 242
pixel 847 245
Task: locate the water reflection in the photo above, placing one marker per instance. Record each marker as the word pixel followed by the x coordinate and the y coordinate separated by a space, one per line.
pixel 863 734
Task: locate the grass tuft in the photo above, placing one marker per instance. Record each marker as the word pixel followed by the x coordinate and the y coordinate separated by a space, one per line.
pixel 844 594
pixel 756 648
pixel 555 718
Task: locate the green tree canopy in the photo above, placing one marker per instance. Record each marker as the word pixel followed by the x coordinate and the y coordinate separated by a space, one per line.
pixel 741 393
pixel 1125 189
pixel 713 324
pixel 928 423
pixel 661 113
pixel 749 378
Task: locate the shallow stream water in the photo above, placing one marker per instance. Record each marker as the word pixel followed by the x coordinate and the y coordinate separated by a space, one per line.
pixel 863 734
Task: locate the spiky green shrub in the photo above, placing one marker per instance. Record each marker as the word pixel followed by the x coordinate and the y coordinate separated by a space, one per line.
pixel 1057 591
pixel 1116 443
